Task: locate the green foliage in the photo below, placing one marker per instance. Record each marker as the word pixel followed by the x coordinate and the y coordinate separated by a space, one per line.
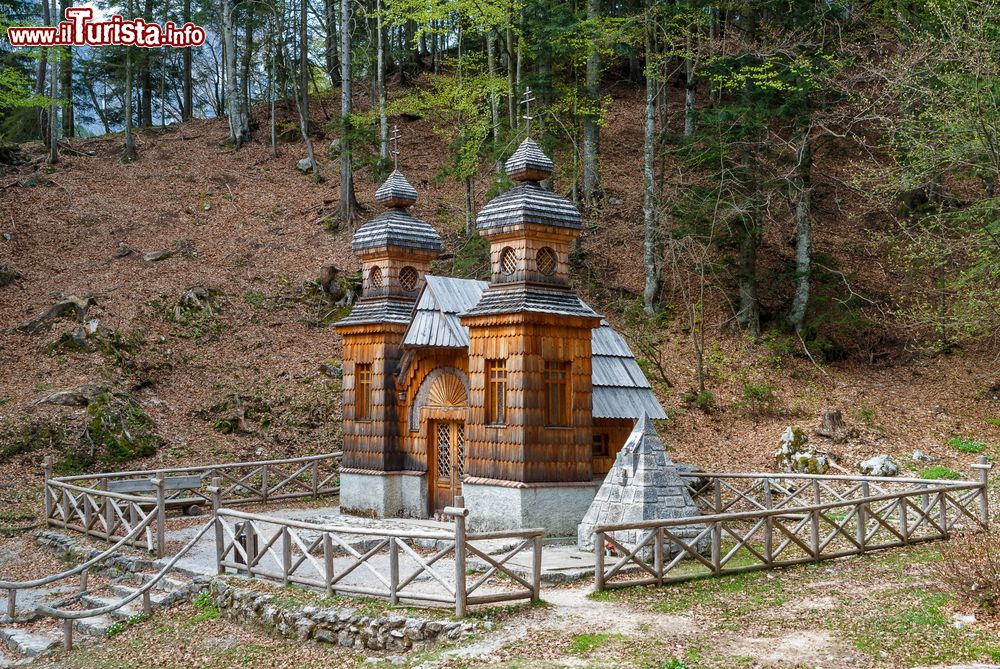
pixel 759 399
pixel 472 259
pixel 117 430
pixel 35 436
pixel 964 445
pixel 865 414
pixel 584 644
pixel 123 625
pixel 940 472
pixel 704 400
pixel 207 610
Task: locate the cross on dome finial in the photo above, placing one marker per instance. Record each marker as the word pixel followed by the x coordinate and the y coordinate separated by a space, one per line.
pixel 526 101
pixel 394 138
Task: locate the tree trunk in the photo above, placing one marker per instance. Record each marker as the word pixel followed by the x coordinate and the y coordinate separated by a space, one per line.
pixel 491 67
pixel 66 70
pixel 511 91
pixel 130 154
pixel 187 108
pixel 304 85
pixel 98 108
pixel 383 120
pixel 689 92
pixel 330 43
pixel 245 66
pixel 648 195
pixel 54 95
pixel 239 131
pixel 748 316
pixel 803 231
pixel 592 115
pixel 347 199
pixel 41 113
pixel 146 75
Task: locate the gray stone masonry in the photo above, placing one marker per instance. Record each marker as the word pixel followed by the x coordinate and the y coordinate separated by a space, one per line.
pixel 643 484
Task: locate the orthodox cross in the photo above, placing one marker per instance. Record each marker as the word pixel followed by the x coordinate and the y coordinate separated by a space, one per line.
pixel 528 99
pixel 394 138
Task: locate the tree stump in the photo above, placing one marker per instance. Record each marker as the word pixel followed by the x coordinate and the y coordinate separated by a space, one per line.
pixel 831 425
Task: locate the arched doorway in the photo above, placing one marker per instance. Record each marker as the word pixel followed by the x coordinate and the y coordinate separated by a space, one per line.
pixel 444 405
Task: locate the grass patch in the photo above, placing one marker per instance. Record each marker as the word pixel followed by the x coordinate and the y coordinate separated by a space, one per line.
pixel 584 644
pixel 916 629
pixel 940 472
pixel 963 445
pixel 207 610
pixel 123 625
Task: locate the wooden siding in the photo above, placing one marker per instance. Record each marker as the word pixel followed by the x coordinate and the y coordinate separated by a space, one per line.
pixel 525 450
pixel 525 249
pixel 372 444
pixel 414 445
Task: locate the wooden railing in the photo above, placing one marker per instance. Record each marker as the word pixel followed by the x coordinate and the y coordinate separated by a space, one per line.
pixel 386 564
pixel 762 521
pixel 109 505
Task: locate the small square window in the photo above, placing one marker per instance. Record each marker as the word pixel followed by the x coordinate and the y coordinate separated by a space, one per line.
pixel 602 448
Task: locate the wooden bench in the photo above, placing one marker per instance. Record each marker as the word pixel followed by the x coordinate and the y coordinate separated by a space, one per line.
pixel 189 506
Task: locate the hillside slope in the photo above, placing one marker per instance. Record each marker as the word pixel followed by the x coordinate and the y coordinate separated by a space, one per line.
pixel 235 368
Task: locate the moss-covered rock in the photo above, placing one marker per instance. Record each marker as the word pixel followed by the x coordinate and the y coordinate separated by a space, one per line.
pixel 795 454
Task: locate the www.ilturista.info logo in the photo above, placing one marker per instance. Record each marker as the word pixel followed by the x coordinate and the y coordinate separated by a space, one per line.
pixel 79 30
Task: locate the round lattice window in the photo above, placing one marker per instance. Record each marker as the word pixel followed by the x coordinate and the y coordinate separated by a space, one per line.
pixel 545 261
pixel 375 277
pixel 408 278
pixel 508 261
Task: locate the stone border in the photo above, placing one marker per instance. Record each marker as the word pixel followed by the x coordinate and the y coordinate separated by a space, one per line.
pixel 333 625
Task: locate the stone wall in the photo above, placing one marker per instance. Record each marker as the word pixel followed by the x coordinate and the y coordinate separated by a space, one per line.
pixel 342 626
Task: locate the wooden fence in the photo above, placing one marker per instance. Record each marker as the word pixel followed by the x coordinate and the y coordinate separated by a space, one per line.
pixel 110 505
pixel 762 521
pixel 395 565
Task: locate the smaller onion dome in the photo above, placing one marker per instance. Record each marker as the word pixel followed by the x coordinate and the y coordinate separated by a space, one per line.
pixel 395 226
pixel 396 192
pixel 529 163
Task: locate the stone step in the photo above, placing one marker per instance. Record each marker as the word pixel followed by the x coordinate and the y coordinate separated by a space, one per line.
pixel 124 613
pixel 94 626
pixel 156 597
pixel 29 643
pixel 171 583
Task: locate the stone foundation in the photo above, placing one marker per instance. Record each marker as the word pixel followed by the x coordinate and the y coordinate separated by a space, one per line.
pixel 556 508
pixel 389 495
pixel 342 626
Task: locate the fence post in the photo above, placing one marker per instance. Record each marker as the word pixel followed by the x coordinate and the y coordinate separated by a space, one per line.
pixel 658 554
pixel 814 528
pixel 943 515
pixel 47 464
pixel 11 603
pixel 328 562
pixel 460 587
pixel 768 524
pixel 263 484
pixel 67 506
pixel 984 503
pixel 536 568
pixel 904 527
pixel 84 577
pixel 286 555
pixel 161 517
pixel 109 511
pixel 393 571
pixel 88 519
pixel 250 537
pixel 216 491
pixel 717 496
pixel 68 634
pixel 147 604
pixel 717 546
pixel 862 532
pixel 599 561
pixel 315 478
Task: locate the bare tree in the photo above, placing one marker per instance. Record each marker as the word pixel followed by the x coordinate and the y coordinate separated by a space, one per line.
pixel 347 199
pixel 592 115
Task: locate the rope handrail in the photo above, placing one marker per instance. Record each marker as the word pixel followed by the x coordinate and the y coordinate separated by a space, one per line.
pixel 114 606
pixel 27 585
pixel 153 473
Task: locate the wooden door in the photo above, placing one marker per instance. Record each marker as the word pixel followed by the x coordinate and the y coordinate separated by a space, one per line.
pixel 447 463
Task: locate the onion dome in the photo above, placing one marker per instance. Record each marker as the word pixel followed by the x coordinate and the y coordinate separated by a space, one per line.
pixel 528 203
pixel 396 226
pixel 529 163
